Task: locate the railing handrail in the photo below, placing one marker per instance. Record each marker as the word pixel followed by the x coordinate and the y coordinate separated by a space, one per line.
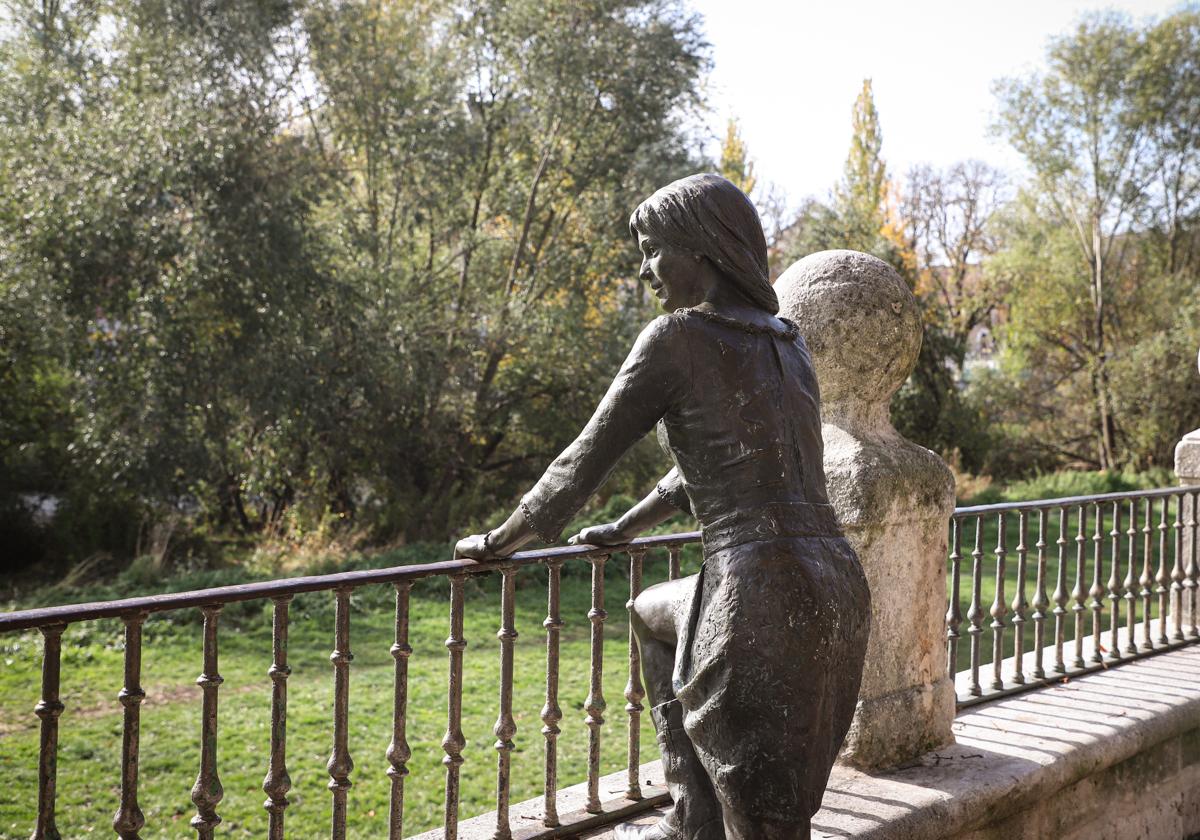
pixel 1071 501
pixel 70 613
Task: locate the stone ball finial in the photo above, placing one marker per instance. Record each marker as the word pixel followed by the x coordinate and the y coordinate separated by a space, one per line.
pixel 862 324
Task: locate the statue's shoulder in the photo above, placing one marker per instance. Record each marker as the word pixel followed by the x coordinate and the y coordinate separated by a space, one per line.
pixel 663 329
pixel 777 327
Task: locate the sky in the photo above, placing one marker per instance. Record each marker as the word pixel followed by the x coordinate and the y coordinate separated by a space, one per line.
pixel 789 71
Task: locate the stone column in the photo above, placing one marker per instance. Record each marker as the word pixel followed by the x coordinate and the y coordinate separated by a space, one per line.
pixel 1187 469
pixel 893 498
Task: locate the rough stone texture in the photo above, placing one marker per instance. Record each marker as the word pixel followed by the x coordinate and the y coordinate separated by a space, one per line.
pixel 1187 458
pixel 892 497
pixel 1113 755
pixel 1187 453
pixel 1187 470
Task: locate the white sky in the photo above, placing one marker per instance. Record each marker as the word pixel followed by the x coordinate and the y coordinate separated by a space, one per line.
pixel 790 70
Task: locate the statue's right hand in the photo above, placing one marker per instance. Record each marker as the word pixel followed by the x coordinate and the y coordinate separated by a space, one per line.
pixel 609 534
pixel 474 547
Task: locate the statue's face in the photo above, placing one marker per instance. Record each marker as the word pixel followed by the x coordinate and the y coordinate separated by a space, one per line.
pixel 671 273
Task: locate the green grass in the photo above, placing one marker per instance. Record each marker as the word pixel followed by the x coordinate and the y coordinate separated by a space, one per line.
pixel 90 730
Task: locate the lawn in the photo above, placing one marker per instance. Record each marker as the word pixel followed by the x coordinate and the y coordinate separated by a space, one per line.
pixel 90 734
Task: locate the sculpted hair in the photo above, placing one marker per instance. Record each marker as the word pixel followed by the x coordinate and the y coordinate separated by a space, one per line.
pixel 709 215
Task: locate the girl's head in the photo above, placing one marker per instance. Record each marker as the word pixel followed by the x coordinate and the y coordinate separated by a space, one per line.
pixel 711 218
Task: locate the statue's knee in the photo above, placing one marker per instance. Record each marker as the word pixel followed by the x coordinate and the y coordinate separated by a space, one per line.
pixel 653 614
pixel 640 605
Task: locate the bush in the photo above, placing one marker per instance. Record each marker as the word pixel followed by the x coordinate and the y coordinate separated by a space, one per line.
pixel 1065 483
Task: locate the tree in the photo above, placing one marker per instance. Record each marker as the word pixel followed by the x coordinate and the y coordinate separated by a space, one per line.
pixel 735 160
pixel 1082 133
pixel 498 223
pixel 860 197
pixel 947 217
pixel 291 264
pixel 1168 95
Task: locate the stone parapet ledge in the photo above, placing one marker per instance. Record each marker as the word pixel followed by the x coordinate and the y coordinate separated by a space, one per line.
pixel 1014 754
pixel 1114 754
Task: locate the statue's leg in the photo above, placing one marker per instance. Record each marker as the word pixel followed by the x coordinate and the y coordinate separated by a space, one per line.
pixel 696 814
pixel 654 619
pixel 740 826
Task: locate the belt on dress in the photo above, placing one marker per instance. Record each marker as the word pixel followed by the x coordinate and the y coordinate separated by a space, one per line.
pixel 770 521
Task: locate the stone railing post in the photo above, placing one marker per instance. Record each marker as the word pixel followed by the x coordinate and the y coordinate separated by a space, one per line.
pixel 893 498
pixel 1187 470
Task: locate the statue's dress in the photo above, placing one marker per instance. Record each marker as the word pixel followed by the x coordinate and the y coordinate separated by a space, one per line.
pixel 771 646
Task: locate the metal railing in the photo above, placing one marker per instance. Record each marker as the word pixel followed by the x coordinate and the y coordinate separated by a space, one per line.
pixel 1152 575
pixel 1139 576
pixel 207 792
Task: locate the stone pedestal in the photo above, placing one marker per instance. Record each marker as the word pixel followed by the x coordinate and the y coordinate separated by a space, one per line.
pixel 1187 470
pixel 1187 458
pixel 893 498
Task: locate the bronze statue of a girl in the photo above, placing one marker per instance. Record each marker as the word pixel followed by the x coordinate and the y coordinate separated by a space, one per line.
pixel 753 665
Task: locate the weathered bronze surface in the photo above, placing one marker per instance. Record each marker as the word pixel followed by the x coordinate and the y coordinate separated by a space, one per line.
pixel 752 669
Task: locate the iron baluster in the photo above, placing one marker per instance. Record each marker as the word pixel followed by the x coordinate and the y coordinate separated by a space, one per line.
pixel 1097 589
pixel 673 562
pixel 48 711
pixel 1019 604
pixel 207 793
pixel 953 609
pixel 1041 601
pixel 1177 574
pixel 1131 582
pixel 277 782
pixel 551 713
pixel 1115 592
pixel 594 704
pixel 340 765
pixel 635 692
pixel 975 610
pixel 1147 579
pixel 1060 594
pixel 398 751
pixel 129 820
pixel 453 741
pixel 1193 568
pixel 505 727
pixel 999 608
pixel 1079 594
pixel 1162 579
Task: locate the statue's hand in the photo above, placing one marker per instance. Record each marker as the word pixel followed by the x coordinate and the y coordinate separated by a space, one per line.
pixel 609 534
pixel 473 547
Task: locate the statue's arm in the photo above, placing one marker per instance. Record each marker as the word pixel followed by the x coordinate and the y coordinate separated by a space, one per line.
pixel 647 513
pixel 650 380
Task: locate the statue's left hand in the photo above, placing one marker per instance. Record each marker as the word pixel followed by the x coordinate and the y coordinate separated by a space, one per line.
pixel 473 547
